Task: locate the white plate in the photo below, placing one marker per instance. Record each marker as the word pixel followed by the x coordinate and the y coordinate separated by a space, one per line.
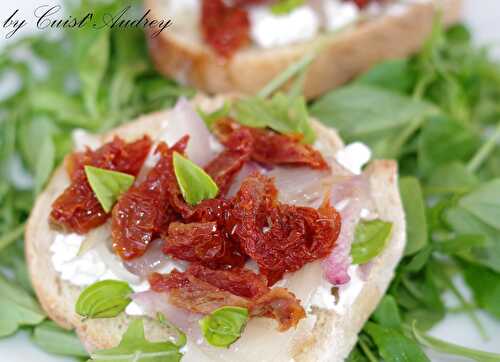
pixel 483 16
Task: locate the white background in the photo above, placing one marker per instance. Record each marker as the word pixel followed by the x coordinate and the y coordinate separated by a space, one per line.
pixel 483 16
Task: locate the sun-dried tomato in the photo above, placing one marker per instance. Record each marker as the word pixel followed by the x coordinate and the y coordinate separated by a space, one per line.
pixel 201 290
pixel 271 148
pixel 280 238
pixel 147 209
pixel 229 162
pixel 204 242
pixel 225 28
pixel 77 208
pixel 363 3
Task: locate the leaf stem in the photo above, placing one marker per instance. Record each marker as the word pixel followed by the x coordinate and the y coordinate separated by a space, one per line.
pixel 368 353
pixel 11 236
pixel 288 74
pixel 484 152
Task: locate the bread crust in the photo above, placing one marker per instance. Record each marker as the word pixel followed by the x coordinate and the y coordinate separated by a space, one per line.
pixel 344 55
pixel 333 335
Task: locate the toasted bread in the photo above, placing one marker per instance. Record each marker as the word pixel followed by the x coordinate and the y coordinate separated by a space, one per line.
pixel 331 338
pixel 180 53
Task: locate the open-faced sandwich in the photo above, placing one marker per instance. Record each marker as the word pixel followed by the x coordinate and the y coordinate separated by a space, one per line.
pixel 241 224
pixel 240 45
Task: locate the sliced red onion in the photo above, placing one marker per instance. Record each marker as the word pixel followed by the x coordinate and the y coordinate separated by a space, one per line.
pixel 247 169
pixel 153 303
pixel 185 120
pixel 349 196
pixel 301 186
pixel 152 260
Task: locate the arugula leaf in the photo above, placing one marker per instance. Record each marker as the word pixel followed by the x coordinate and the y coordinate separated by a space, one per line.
pixel 45 164
pixel 135 348
pixel 387 313
pixel 453 349
pixel 108 185
pixel 395 75
pixel 369 114
pixel 195 184
pixel 416 222
pixel 485 285
pixel 451 178
pixel 53 339
pixel 370 239
pixel 484 203
pixel 442 141
pixel 281 113
pixel 464 222
pixel 17 308
pixel 104 299
pixel 282 7
pixel 224 326
pixel 393 345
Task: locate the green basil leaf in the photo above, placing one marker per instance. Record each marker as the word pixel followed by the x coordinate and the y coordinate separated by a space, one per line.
pixel 453 349
pixel 211 118
pixel 370 239
pixel 195 184
pixel 484 203
pixel 416 221
pixel 224 326
pixel 395 75
pixel 135 348
pixel 108 185
pixel 285 6
pixel 104 299
pixel 53 339
pixel 281 113
pixel 394 346
pixel 17 308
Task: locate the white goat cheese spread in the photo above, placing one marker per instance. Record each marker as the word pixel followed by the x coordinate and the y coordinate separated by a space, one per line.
pixel 347 294
pixel 339 14
pixel 269 30
pixel 354 156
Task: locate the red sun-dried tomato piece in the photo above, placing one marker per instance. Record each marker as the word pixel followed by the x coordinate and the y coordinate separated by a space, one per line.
pixel 203 242
pixel 225 28
pixel 77 208
pixel 201 290
pixel 229 162
pixel 271 148
pixel 280 238
pixel 363 3
pixel 147 209
pixel 205 238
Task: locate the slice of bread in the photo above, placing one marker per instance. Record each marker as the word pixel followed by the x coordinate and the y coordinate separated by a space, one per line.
pixel 333 335
pixel 180 53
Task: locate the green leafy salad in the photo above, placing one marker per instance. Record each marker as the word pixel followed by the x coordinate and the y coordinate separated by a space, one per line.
pixel 437 113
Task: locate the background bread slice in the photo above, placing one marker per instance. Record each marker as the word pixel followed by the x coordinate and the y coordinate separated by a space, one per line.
pixel 179 52
pixel 333 335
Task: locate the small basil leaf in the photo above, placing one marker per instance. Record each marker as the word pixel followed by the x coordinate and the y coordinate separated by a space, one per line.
pixel 370 239
pixel 484 203
pixel 224 326
pixel 134 347
pixel 211 118
pixel 104 299
pixel 283 114
pixel 282 7
pixel 195 184
pixel 53 339
pixel 108 185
